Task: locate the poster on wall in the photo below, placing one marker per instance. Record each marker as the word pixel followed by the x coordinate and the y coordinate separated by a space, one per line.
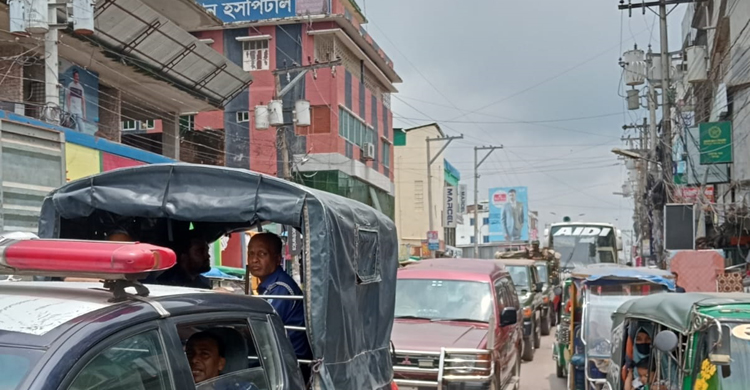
pixel 79 98
pixel 509 208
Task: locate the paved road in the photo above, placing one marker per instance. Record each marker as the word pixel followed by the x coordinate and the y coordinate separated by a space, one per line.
pixel 540 374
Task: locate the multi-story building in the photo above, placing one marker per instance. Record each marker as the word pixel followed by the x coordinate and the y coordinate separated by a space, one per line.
pixel 712 88
pixel 349 146
pixel 412 186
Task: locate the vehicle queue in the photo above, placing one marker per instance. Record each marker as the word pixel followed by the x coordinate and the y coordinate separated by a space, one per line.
pixel 357 321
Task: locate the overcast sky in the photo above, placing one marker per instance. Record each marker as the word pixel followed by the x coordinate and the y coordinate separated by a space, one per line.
pixel 522 61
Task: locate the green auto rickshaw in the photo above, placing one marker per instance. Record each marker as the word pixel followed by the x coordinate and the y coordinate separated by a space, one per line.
pixel 697 341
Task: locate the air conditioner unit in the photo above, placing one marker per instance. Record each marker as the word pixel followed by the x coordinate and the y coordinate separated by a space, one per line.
pixel 368 151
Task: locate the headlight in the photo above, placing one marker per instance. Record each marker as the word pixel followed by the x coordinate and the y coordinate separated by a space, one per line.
pixel 467 364
pixel 527 312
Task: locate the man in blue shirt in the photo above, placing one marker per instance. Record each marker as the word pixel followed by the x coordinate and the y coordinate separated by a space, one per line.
pixel 264 261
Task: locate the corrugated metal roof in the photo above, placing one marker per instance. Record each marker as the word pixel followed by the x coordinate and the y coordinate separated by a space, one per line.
pixel 133 32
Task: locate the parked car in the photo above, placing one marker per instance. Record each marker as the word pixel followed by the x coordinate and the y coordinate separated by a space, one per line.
pixel 529 288
pixel 457 323
pixel 548 296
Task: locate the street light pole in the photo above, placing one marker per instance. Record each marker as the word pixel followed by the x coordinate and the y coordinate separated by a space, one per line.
pixel 477 164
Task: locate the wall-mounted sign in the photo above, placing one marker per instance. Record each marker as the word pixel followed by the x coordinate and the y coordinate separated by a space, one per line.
pixel 250 10
pixel 450 207
pixel 716 142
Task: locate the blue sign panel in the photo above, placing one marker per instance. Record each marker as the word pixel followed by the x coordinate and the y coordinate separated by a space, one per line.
pixel 250 10
pixel 509 209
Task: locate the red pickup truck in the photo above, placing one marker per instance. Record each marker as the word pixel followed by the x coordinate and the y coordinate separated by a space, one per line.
pixel 457 325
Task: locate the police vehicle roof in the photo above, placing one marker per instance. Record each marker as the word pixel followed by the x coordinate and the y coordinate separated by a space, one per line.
pixel 37 313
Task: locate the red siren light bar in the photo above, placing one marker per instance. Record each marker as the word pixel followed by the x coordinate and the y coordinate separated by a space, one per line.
pixel 101 259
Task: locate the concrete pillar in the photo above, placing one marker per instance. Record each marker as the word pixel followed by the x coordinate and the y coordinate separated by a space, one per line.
pixel 171 137
pixel 110 120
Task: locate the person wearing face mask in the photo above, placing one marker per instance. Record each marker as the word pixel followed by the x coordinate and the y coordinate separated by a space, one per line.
pixel 642 344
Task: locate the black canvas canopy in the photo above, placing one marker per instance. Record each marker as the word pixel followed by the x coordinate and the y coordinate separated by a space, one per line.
pixel 350 250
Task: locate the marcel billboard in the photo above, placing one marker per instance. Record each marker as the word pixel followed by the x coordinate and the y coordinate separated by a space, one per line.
pixel 509 208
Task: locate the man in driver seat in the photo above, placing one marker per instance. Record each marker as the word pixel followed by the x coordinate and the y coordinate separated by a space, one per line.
pixel 206 354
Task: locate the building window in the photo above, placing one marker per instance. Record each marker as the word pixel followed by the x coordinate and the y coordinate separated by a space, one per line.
pixel 471 239
pixel 149 124
pixel 418 195
pixel 471 222
pixel 129 125
pixel 386 152
pixel 187 123
pixel 255 55
pixel 243 116
pixel 486 239
pixel 485 221
pixel 352 128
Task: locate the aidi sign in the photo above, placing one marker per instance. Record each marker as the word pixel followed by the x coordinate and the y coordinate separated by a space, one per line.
pixel 450 207
pixel 583 231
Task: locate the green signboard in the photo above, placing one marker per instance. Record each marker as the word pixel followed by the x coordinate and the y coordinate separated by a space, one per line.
pixel 716 143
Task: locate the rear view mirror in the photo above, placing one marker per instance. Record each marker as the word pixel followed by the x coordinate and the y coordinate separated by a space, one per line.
pixel 540 287
pixel 558 290
pixel 719 344
pixel 509 316
pixel 666 341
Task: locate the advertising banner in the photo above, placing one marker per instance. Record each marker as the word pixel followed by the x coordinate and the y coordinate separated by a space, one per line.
pixel 462 197
pixel 716 143
pixel 450 206
pixel 692 194
pixel 433 240
pixel 509 207
pixel 79 98
pixel 689 170
pixel 229 11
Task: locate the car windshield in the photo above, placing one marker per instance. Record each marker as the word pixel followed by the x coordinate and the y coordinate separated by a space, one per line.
pixel 578 250
pixel 15 364
pixel 440 300
pixel 740 347
pixel 520 276
pixel 542 270
pixel 598 323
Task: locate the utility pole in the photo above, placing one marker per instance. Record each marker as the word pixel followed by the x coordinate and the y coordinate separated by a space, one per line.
pixel 281 138
pixel 477 164
pixel 430 161
pixel 666 135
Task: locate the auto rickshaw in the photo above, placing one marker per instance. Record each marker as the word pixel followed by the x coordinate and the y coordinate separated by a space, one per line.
pixel 698 341
pixel 349 257
pixel 591 294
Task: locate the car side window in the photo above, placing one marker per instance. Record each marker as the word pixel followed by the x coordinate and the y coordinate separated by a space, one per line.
pixel 510 291
pixel 224 355
pixel 136 363
pixel 502 297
